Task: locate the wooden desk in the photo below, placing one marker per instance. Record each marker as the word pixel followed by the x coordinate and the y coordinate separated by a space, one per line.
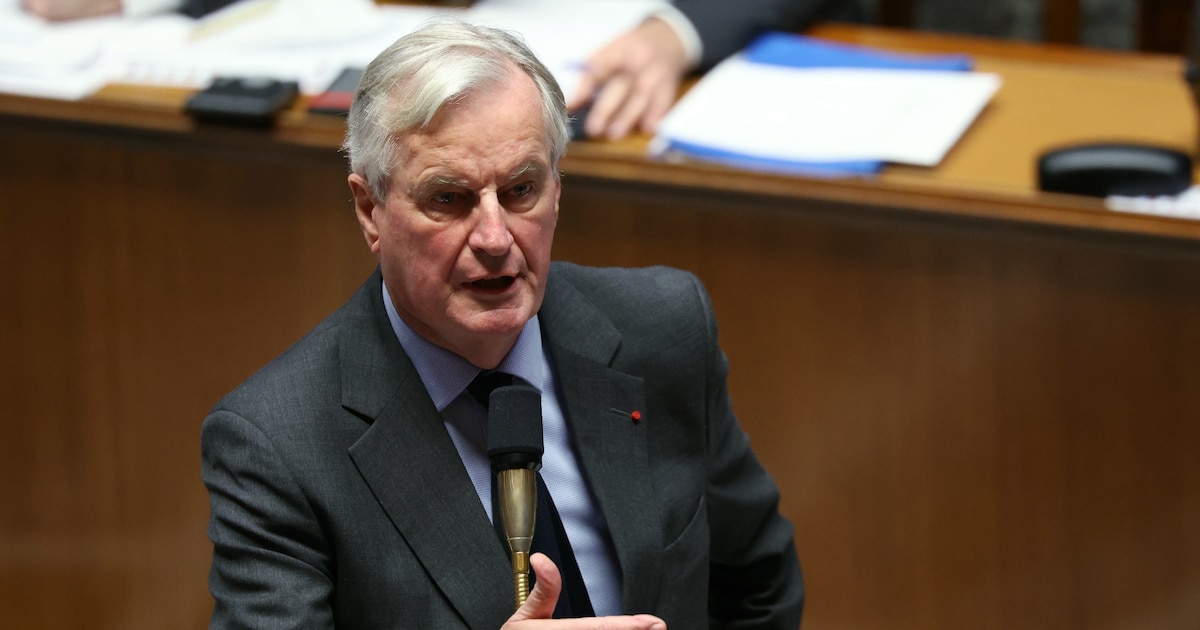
pixel 979 400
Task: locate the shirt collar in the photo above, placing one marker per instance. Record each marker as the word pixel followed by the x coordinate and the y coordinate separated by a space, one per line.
pixel 446 374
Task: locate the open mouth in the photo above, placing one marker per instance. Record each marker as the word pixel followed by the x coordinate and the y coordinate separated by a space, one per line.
pixel 494 284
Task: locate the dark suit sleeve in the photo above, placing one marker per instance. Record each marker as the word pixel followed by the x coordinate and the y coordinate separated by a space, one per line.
pixel 200 8
pixel 726 26
pixel 270 568
pixel 754 574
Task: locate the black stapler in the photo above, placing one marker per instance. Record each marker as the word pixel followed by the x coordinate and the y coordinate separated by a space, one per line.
pixel 242 100
pixel 1104 169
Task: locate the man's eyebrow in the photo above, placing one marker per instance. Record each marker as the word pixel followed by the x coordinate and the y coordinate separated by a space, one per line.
pixel 532 167
pixel 427 186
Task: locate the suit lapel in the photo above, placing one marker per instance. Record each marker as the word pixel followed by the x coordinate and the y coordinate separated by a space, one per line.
pixel 599 402
pixel 412 467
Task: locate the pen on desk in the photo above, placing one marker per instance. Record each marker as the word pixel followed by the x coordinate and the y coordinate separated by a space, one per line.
pixel 229 17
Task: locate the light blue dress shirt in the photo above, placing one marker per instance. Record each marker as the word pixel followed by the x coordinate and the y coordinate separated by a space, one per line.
pixel 446 376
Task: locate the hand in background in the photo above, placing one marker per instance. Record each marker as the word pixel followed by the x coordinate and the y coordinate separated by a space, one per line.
pixel 538 608
pixel 70 9
pixel 632 81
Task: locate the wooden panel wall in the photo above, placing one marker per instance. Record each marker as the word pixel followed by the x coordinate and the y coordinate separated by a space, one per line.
pixel 142 278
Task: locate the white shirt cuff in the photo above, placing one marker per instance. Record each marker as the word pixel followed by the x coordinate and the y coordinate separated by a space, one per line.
pixel 692 47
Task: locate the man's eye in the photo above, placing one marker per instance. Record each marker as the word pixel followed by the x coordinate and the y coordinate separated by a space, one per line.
pixel 520 190
pixel 445 197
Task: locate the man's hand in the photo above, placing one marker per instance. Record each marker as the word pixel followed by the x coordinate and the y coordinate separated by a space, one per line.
pixel 538 608
pixel 632 81
pixel 71 9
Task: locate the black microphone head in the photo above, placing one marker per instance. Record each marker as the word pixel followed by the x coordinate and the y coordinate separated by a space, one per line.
pixel 514 436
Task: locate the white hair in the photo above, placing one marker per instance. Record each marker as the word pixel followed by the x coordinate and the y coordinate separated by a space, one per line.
pixel 404 87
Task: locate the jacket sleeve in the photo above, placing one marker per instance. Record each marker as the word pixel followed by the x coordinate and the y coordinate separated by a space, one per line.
pixel 754 573
pixel 726 26
pixel 201 8
pixel 270 567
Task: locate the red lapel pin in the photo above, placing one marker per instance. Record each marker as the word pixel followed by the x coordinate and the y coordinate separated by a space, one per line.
pixel 635 415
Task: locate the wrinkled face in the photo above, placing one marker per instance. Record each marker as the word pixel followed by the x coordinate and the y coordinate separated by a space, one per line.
pixel 464 233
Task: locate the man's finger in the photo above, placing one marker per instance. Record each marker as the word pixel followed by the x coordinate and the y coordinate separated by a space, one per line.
pixel 660 100
pixel 583 92
pixel 625 118
pixel 600 67
pixel 606 105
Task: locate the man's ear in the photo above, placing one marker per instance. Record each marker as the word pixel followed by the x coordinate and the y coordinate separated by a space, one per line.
pixel 365 205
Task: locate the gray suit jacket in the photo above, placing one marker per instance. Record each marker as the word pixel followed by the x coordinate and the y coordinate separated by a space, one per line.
pixel 338 498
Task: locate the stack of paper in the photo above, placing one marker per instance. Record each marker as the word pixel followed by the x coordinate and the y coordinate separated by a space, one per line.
pixel 308 41
pixel 1185 205
pixel 55 61
pixel 799 105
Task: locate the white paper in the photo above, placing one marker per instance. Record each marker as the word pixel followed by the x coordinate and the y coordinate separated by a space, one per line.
pixel 1185 205
pixel 308 41
pixel 828 114
pixel 53 60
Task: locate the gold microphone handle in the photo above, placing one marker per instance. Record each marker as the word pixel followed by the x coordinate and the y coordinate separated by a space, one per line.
pixel 518 511
pixel 520 562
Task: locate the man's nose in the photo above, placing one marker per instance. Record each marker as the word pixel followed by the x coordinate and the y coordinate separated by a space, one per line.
pixel 490 233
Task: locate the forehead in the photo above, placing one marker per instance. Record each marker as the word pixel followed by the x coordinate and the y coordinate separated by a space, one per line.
pixel 495 127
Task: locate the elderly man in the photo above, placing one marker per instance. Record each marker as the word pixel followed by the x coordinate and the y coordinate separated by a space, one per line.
pixel 349 479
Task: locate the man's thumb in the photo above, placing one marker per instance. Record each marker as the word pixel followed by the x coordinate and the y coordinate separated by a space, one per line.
pixel 541 602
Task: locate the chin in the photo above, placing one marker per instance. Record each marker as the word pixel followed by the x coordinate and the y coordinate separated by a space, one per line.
pixel 500 321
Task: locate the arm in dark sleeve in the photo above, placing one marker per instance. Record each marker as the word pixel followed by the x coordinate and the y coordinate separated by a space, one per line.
pixel 271 567
pixel 200 8
pixel 726 26
pixel 754 574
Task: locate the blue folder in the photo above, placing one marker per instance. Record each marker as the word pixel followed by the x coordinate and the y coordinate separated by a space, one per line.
pixel 799 51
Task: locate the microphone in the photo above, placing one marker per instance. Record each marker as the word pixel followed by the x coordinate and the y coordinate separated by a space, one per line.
pixel 514 445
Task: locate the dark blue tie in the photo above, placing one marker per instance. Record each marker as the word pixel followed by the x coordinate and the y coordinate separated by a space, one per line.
pixel 549 536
